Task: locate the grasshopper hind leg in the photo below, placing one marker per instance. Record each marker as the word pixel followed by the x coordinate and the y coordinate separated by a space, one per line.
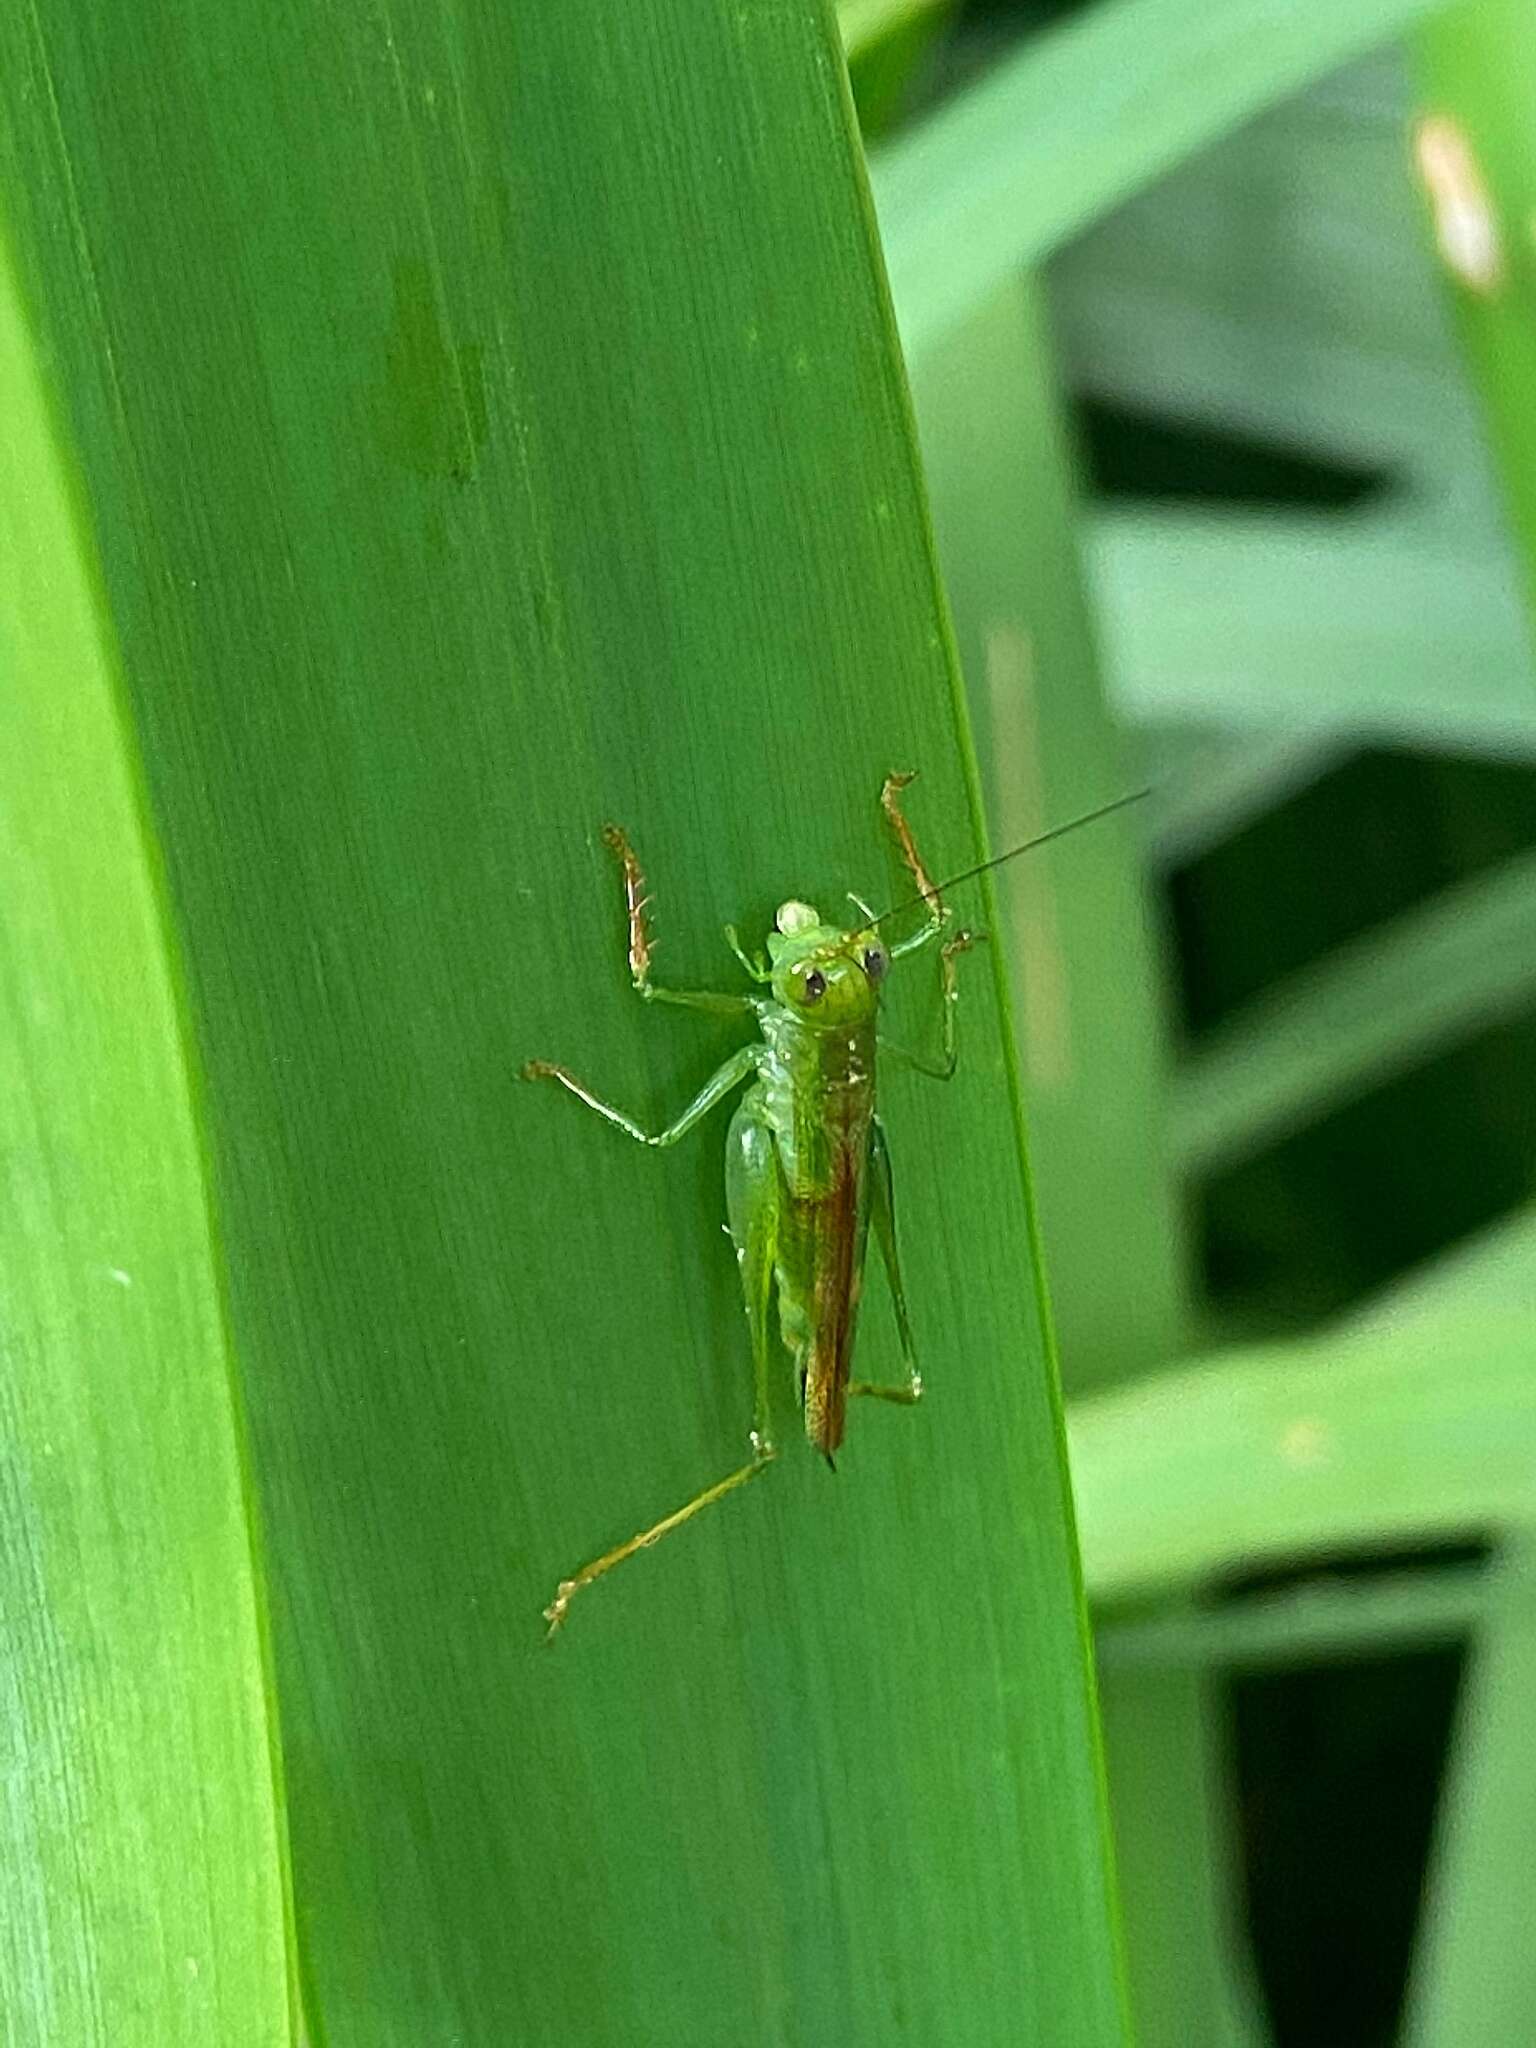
pixel 567 1590
pixel 752 1187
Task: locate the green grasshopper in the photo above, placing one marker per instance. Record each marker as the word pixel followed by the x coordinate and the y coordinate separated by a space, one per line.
pixel 807 1168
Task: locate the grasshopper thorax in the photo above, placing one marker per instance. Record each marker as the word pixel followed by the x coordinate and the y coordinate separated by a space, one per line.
pixel 829 979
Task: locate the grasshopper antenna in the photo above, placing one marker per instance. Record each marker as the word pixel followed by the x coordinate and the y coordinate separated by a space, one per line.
pixel 998 860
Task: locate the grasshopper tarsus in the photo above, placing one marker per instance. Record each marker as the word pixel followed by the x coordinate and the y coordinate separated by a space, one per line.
pixel 636 902
pixel 558 1608
pixel 904 1397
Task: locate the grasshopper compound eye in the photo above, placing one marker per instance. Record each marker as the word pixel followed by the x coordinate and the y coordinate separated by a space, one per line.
pixel 876 961
pixel 814 986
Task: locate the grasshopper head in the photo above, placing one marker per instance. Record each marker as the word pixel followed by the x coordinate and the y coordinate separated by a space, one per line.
pixel 828 978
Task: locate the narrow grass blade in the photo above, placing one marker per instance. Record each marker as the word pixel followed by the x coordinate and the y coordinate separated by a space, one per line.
pixel 1474 1982
pixel 1437 974
pixel 1083 116
pixel 143 1902
pixel 1327 1619
pixel 1386 1435
pixel 1085 989
pixel 1472 145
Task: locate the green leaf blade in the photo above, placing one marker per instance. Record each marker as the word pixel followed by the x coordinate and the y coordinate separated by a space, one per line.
pixel 145 1900
pixel 553 465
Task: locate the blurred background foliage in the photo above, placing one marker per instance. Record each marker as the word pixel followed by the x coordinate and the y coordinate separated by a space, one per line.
pixel 1291 364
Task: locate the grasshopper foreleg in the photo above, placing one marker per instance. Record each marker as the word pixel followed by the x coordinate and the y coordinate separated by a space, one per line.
pixel 927 888
pixel 642 944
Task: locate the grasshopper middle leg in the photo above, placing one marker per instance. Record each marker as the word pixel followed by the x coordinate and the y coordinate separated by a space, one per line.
pixel 882 1216
pixel 939 1066
pixel 715 1089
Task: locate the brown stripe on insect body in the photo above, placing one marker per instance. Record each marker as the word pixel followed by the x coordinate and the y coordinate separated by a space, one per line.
pixel 834 1305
